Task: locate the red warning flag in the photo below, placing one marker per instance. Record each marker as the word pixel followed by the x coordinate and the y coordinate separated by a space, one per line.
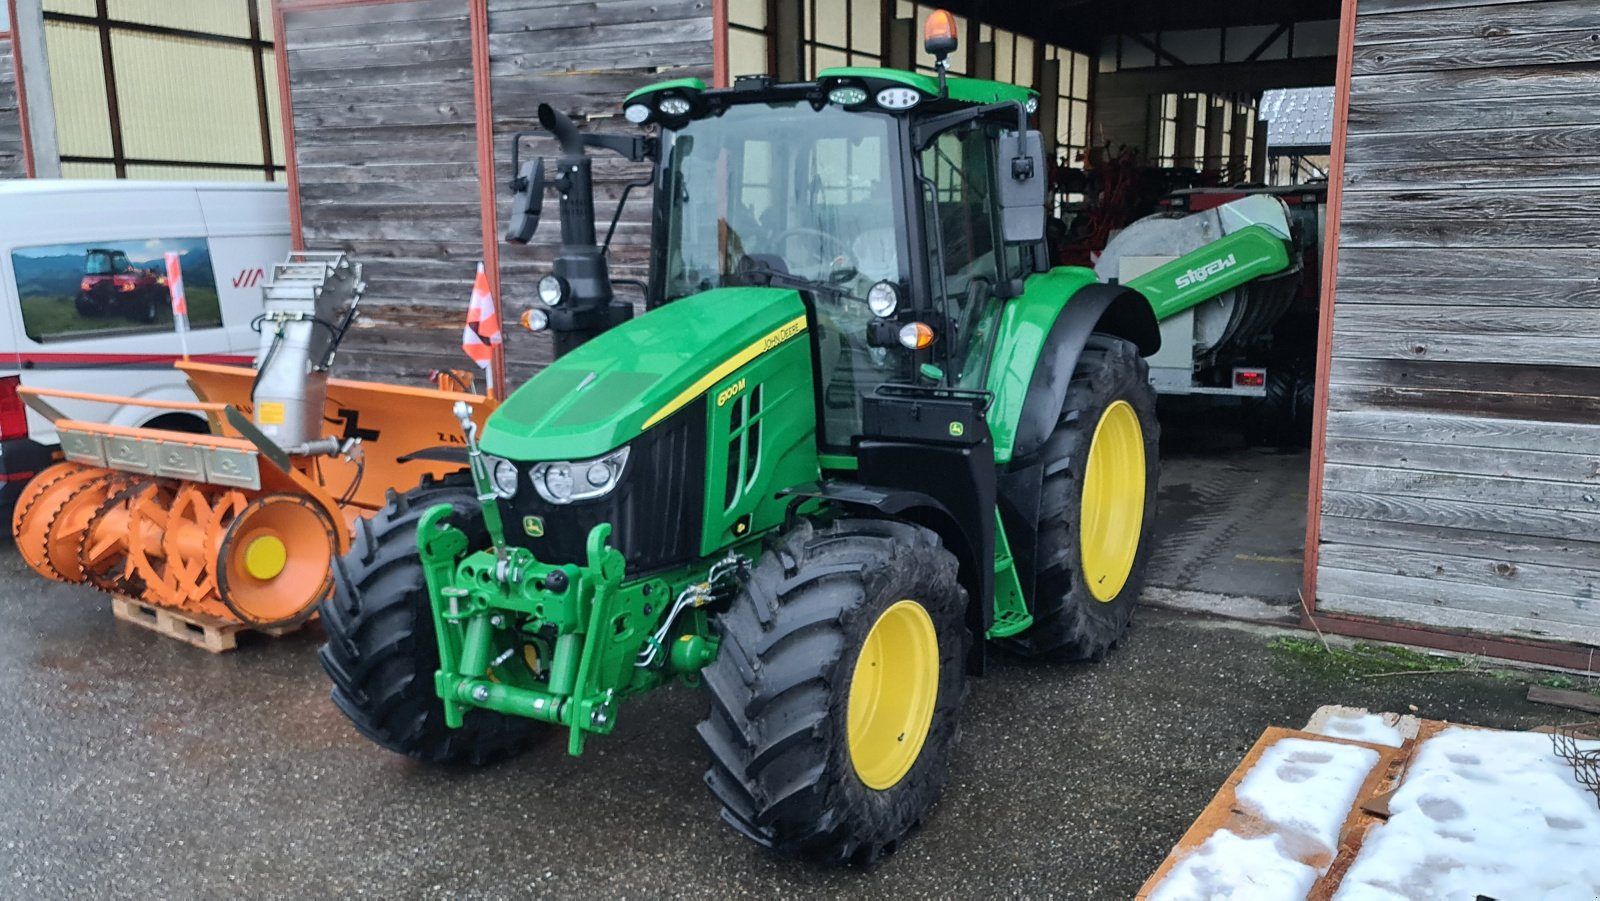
pixel 180 304
pixel 482 333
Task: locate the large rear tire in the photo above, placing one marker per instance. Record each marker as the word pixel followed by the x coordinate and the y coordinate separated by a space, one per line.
pixel 382 651
pixel 1097 507
pixel 835 694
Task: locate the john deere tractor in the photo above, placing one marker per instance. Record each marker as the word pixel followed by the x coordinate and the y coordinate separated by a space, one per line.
pixel 861 432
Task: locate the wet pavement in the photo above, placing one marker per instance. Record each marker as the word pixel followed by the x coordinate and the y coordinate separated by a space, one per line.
pixel 133 766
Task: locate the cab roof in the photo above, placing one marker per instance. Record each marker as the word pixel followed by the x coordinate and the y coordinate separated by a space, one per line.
pixel 697 100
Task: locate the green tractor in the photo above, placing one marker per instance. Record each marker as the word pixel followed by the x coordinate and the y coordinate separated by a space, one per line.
pixel 861 432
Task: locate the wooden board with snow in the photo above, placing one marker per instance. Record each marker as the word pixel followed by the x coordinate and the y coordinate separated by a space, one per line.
pixel 1452 812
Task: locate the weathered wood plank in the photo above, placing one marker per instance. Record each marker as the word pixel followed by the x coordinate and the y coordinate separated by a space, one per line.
pixel 1470 84
pixel 1528 349
pixel 391 192
pixel 1469 320
pixel 1472 431
pixel 1528 407
pixel 357 154
pixel 1389 7
pixel 1484 201
pixel 1556 524
pixel 1493 21
pixel 361 56
pixel 1572 700
pixel 371 14
pixel 1392 607
pixel 1493 586
pixel 509 18
pixel 1372 117
pixel 1503 143
pixel 1516 378
pixel 1520 263
pixel 458 91
pixel 1546 293
pixel 1567 172
pixel 1508 496
pixel 426 134
pixel 1491 546
pixel 364 171
pixel 444 70
pixel 305 36
pixel 583 37
pixel 1487 233
pixel 1583 469
pixel 661 59
pixel 393 115
pixel 1485 52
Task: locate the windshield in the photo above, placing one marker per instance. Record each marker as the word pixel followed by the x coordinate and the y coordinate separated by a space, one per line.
pixel 789 195
pixel 107 264
pixel 780 188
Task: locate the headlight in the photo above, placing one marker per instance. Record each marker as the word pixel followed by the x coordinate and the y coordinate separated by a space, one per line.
pixel 552 290
pixel 674 106
pixel 898 98
pixel 561 482
pixel 505 478
pixel 883 299
pixel 637 113
pixel 847 95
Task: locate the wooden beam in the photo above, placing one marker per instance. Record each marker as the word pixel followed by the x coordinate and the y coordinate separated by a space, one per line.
pixel 1328 290
pixel 1572 700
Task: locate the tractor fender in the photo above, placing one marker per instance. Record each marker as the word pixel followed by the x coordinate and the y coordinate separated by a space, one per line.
pixel 971 542
pixel 1111 309
pixel 439 454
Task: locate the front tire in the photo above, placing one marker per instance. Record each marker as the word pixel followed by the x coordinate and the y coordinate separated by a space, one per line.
pixel 1097 508
pixel 382 650
pixel 834 697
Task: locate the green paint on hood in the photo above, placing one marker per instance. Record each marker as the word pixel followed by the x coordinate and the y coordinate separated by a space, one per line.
pixel 607 391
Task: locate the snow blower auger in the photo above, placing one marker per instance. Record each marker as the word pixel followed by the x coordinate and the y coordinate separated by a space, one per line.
pixel 861 430
pixel 242 525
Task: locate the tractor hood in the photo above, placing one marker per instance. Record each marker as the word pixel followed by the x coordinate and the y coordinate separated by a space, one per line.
pixel 612 388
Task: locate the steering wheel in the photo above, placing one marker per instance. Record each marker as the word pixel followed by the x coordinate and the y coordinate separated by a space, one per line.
pixel 842 265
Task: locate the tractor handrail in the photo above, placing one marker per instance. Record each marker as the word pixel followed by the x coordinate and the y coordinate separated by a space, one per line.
pixel 198 406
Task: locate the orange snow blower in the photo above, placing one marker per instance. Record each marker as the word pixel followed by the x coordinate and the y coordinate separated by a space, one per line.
pixel 243 524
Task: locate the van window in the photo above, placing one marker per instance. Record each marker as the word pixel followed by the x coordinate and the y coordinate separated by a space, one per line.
pixel 107 288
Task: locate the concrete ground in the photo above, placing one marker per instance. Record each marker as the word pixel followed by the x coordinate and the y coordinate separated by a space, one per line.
pixel 1231 517
pixel 137 767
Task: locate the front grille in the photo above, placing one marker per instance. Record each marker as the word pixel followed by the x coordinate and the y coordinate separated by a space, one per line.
pixel 655 513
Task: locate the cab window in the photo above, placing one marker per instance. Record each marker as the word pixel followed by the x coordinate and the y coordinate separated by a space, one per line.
pixel 967 256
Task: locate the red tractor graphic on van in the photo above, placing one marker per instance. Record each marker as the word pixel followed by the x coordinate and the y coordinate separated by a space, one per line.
pixel 111 284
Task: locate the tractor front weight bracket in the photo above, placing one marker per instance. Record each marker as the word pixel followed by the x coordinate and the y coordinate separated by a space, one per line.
pixel 493 613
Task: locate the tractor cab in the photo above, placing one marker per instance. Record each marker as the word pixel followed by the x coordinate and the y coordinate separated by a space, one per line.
pixel 877 193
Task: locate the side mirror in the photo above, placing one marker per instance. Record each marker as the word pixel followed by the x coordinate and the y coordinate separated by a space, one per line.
pixel 527 202
pixel 1023 187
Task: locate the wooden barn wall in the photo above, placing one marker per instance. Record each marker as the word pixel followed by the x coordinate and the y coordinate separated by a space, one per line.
pixel 12 163
pixel 386 158
pixel 1462 485
pixel 582 59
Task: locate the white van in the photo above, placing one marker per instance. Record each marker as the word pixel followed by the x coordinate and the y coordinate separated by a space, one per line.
pixel 84 303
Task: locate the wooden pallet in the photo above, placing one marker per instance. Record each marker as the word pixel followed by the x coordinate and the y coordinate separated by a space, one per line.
pixel 209 632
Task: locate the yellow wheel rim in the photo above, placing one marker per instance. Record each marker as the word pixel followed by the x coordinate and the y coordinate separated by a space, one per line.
pixel 1113 501
pixel 892 694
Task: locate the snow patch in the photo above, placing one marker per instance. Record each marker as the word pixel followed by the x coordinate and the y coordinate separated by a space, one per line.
pixel 1483 813
pixel 1358 725
pixel 1305 789
pixel 1231 867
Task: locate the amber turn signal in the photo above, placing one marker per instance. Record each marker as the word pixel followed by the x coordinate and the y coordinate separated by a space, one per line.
pixel 916 336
